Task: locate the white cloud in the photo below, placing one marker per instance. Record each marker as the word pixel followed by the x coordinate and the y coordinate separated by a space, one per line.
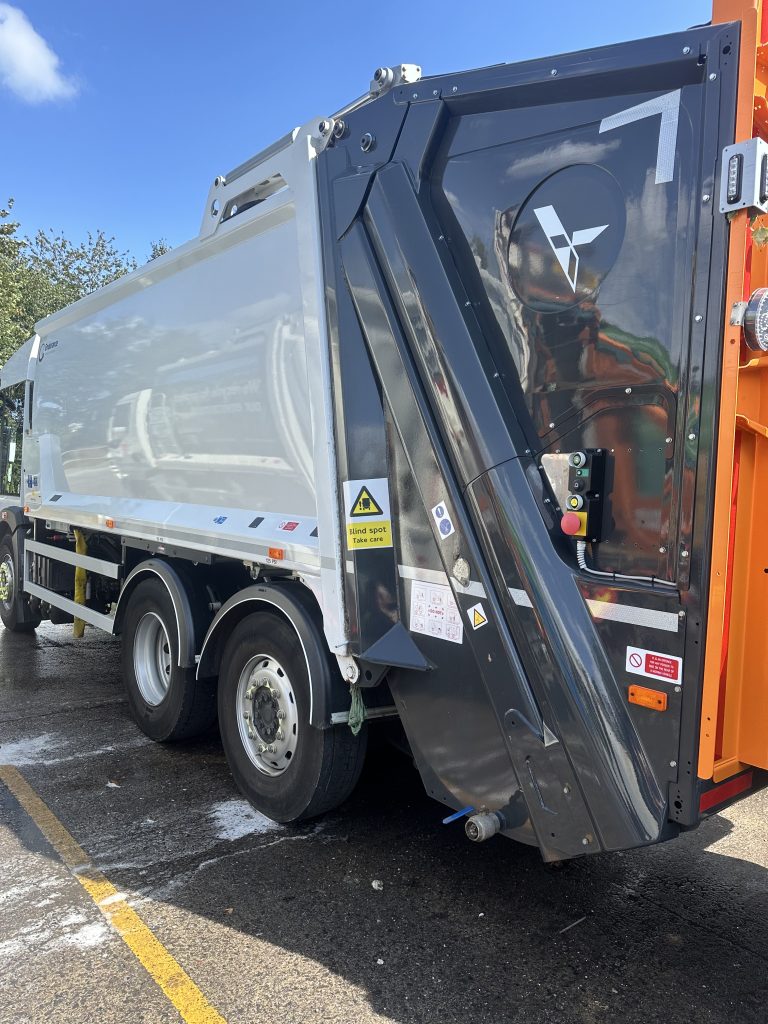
pixel 28 66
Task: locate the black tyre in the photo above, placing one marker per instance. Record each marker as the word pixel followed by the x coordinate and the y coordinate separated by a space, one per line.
pixel 167 702
pixel 288 769
pixel 10 597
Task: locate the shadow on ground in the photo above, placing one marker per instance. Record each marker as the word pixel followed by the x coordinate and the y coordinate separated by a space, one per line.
pixel 671 933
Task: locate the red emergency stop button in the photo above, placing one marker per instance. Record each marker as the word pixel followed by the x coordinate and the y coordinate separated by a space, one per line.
pixel 570 524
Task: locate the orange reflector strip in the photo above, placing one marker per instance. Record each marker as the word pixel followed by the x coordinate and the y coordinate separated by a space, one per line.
pixel 726 791
pixel 277 553
pixel 26 509
pixel 109 523
pixel 656 700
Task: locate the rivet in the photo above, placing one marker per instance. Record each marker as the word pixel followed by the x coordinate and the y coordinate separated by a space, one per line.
pixel 706 197
pixel 586 840
pixel 698 318
pixel 713 77
pixel 467 303
pixel 455 88
pixel 566 789
pixel 415 95
pixel 668 440
pixel 686 50
pixel 673 764
pixel 435 92
pixel 628 390
pixel 691 437
pixel 551 426
pixel 662 550
pixel 553 72
pixel 678 689
pixel 681 614
pixel 683 554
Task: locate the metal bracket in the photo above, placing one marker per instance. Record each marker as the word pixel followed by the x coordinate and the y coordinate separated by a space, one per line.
pixel 744 177
pixel 385 79
pixel 349 667
pixel 738 309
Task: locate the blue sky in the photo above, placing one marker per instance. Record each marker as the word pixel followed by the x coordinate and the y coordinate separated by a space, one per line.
pixel 121 113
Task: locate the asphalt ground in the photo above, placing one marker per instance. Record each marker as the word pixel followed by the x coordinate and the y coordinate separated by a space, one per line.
pixel 285 925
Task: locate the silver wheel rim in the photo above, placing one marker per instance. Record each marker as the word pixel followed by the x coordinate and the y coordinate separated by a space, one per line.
pixel 267 715
pixel 152 658
pixel 7 583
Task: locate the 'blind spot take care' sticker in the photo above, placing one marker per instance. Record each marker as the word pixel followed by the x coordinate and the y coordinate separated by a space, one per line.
pixel 366 509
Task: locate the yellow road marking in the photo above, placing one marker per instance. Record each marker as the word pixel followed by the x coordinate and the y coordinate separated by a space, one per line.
pixel 148 950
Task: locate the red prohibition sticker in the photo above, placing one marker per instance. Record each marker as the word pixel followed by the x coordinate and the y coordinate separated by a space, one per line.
pixel 654 665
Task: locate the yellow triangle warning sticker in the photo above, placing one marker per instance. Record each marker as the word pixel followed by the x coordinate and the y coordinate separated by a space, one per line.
pixel 365 504
pixel 477 616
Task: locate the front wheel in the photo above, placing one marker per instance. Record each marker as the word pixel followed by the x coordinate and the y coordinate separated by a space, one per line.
pixel 287 768
pixel 10 595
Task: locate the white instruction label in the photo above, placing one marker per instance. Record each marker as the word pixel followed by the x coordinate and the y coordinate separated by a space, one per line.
pixel 434 612
pixel 653 665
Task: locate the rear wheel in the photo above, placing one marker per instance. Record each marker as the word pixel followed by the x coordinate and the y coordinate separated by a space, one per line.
pixel 167 701
pixel 10 596
pixel 287 768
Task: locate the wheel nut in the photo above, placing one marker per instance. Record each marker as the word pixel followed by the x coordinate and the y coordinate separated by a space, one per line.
pixel 251 734
pixel 262 748
pixel 281 715
pixel 279 735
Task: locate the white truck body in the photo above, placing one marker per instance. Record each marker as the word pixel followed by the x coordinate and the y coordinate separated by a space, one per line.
pixel 188 403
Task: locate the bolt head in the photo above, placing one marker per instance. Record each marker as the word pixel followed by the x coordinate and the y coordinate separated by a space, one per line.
pixel 455 88
pixel 713 77
pixel 686 50
pixel 668 440
pixel 706 197
pixel 673 764
pixel 691 437
pixel 628 391
pixel 662 550
pixel 683 554
pixel 586 840
pixel 698 318
pixel 678 689
pixel 435 92
pixel 553 72
pixel 566 789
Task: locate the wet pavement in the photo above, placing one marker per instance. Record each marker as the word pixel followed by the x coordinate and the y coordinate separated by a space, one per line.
pixel 286 925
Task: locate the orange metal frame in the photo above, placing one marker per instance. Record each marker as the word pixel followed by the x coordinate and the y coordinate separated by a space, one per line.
pixel 734 722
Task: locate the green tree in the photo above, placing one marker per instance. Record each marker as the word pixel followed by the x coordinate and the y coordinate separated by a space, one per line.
pixel 158 248
pixel 41 274
pixel 11 285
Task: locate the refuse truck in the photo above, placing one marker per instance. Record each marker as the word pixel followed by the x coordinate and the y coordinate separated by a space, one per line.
pixel 454 416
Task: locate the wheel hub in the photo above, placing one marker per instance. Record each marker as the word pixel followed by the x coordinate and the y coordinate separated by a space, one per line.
pixel 267 714
pixel 6 582
pixel 152 658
